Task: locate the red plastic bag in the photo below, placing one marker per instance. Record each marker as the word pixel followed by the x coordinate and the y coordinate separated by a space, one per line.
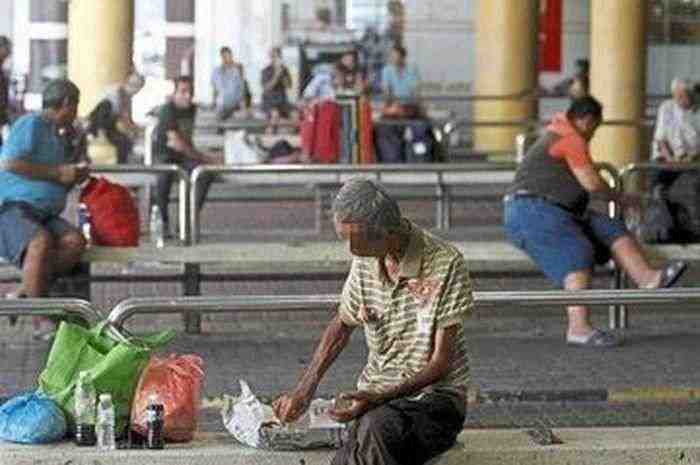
pixel 177 383
pixel 114 215
pixel 320 132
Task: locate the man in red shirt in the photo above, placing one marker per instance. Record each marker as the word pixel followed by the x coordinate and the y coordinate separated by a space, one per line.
pixel 547 216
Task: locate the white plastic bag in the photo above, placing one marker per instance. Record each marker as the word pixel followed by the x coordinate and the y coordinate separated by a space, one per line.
pixel 253 423
pixel 237 151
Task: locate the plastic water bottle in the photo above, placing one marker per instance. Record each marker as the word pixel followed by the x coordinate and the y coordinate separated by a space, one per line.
pixel 85 222
pixel 155 418
pixel 157 234
pixel 85 399
pixel 105 423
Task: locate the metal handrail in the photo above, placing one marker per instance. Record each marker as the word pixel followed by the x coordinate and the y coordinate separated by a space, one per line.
pixel 439 170
pixel 51 307
pixel 284 303
pixel 183 187
pixel 632 168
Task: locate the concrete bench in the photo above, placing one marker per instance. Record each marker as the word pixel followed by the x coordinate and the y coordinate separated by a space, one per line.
pixel 191 265
pixel 269 259
pixel 324 179
pixel 582 446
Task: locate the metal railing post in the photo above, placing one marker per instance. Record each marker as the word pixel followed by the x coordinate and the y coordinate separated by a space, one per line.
pixel 196 175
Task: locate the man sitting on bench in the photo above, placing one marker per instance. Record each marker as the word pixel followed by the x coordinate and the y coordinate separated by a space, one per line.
pixel 173 144
pixel 547 216
pixel 37 174
pixel 411 293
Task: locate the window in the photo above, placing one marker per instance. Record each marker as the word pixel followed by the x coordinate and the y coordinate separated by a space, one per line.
pixel 179 11
pixel 51 11
pixel 674 21
pixel 177 49
pixel 47 60
pixel 365 13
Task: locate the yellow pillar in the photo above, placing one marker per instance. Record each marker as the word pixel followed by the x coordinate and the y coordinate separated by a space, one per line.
pixel 618 77
pixel 100 37
pixel 506 64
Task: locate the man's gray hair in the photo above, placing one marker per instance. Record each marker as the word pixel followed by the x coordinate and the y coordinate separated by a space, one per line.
pixel 135 82
pixel 5 42
pixel 59 91
pixel 362 200
pixel 680 83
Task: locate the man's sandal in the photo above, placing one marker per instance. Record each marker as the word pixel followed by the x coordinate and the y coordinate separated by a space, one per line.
pixel 671 273
pixel 597 339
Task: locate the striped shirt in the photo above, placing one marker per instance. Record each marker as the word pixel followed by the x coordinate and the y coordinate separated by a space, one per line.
pixel 430 290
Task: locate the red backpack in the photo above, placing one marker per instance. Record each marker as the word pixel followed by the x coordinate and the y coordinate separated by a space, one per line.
pixel 113 212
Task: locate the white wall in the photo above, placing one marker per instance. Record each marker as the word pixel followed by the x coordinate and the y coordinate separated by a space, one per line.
pixel 249 27
pixel 6 19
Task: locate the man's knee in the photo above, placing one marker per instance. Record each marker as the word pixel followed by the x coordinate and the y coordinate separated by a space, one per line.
pixel 577 280
pixel 74 242
pixel 382 422
pixel 42 243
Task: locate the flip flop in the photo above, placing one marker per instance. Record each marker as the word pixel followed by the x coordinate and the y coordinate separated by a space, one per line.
pixel 671 273
pixel 597 340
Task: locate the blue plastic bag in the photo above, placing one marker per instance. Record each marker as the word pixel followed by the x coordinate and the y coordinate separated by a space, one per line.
pixel 31 418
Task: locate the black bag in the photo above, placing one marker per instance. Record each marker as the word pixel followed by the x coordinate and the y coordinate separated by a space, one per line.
pixel 420 143
pixel 413 142
pixel 684 204
pixel 657 224
pixel 388 140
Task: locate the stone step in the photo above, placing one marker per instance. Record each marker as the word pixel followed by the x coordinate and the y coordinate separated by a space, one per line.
pixel 591 446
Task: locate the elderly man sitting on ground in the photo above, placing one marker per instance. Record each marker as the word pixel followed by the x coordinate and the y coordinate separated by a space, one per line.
pixel 411 293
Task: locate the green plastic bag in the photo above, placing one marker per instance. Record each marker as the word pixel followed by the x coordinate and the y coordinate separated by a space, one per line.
pixel 114 366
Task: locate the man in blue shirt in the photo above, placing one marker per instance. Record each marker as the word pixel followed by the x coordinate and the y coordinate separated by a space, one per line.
pixel 399 82
pixel 36 174
pixel 228 84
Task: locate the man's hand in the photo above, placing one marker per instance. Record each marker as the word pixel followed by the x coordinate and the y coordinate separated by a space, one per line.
pixel 69 175
pixel 289 407
pixel 176 142
pixel 374 398
pixel 216 158
pixel 630 201
pixel 356 409
pixel 665 151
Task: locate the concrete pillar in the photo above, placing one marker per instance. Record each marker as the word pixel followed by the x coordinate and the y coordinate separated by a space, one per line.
pixel 618 77
pixel 100 38
pixel 506 64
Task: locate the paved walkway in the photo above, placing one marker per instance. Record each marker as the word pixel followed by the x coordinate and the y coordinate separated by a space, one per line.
pixel 628 446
